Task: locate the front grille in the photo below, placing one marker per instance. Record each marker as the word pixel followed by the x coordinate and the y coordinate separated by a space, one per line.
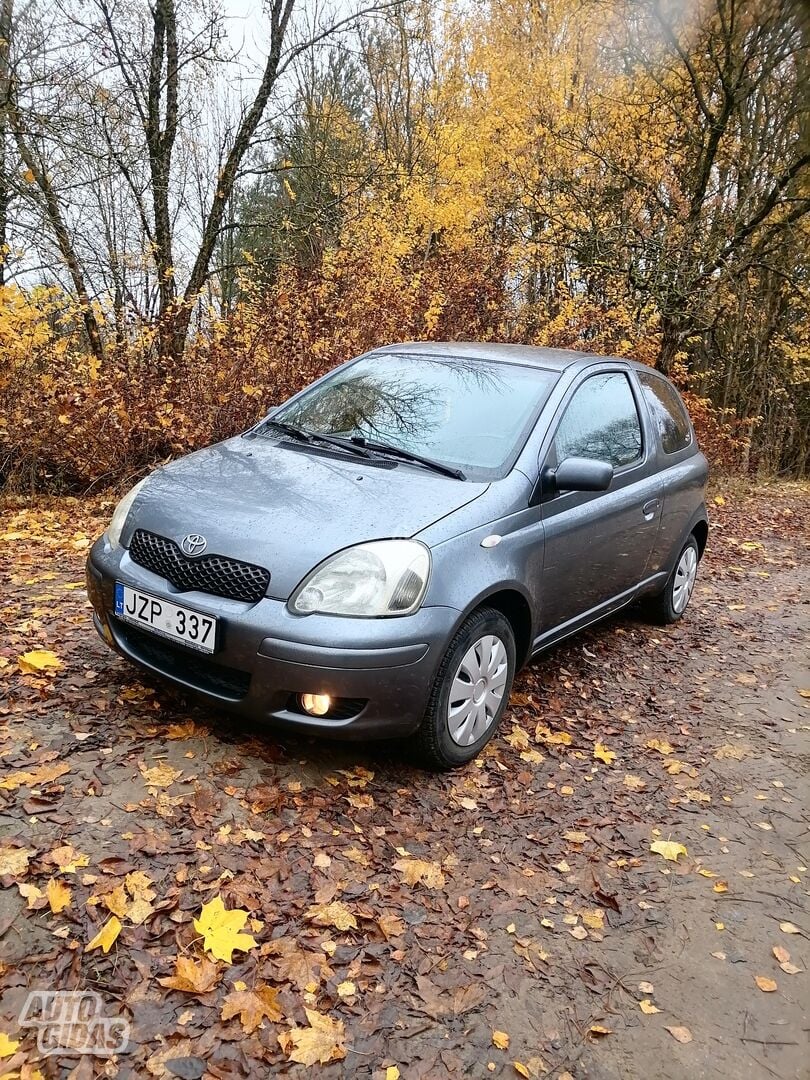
pixel 215 574
pixel 179 663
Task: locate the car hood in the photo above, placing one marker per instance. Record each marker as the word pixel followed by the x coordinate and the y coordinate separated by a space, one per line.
pixel 286 508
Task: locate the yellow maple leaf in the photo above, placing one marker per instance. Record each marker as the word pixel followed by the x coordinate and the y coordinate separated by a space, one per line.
pixel 661 745
pixel 38 660
pixel 634 783
pixel 116 901
pixel 192 978
pixel 320 1043
pixel 415 871
pixel 669 849
pixel 8 1046
pixel 59 895
pixel 161 775
pixel 500 1039
pixel 106 936
pixel 252 1006
pixel 603 754
pixel 221 928
pixel 552 738
pixel 335 914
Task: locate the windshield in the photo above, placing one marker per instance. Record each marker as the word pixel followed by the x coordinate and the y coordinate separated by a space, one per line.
pixel 469 414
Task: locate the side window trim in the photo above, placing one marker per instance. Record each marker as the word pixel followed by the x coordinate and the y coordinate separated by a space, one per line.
pixel 573 391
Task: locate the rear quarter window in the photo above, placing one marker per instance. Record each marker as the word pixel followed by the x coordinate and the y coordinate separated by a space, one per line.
pixel 668 412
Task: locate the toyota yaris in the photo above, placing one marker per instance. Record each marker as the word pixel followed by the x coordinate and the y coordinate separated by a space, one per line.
pixel 380 554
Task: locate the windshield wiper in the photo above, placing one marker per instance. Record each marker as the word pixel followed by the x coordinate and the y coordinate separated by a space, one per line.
pixel 407 455
pixel 307 436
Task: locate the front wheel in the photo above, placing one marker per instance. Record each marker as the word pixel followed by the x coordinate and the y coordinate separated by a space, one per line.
pixel 670 604
pixel 471 691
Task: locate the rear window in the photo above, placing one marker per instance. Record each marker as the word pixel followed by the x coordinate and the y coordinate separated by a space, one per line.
pixel 668 412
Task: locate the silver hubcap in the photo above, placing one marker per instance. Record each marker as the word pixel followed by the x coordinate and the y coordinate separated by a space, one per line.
pixel 477 690
pixel 684 582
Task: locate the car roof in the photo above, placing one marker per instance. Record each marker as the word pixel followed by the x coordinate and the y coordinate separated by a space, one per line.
pixel 532 355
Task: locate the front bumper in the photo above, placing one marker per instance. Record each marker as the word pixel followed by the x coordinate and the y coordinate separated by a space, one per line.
pixel 382 670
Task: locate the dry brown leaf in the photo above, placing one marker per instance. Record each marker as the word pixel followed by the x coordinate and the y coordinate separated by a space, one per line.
pixel 419 871
pixel 192 977
pixel 323 1041
pixel 392 926
pixel 766 985
pixel 681 1034
pixel 336 915
pixel 252 1006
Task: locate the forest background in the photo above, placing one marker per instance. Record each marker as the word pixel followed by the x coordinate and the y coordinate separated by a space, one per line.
pixel 202 208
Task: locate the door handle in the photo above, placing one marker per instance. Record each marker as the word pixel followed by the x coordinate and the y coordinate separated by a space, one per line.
pixel 649 508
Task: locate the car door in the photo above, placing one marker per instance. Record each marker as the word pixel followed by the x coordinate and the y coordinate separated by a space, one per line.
pixel 597 544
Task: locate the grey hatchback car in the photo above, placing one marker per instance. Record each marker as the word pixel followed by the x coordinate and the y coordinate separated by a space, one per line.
pixel 379 555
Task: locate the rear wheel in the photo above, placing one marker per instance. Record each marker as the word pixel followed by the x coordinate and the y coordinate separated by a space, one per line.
pixel 471 691
pixel 670 604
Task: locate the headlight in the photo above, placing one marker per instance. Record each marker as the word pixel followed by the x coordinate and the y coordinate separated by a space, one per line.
pixel 386 577
pixel 120 514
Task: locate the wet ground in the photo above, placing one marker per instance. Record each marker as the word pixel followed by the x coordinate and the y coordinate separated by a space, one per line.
pixel 509 919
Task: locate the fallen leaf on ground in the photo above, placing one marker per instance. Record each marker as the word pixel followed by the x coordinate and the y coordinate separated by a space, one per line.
pixel 391 925
pixel 320 1043
pixel 221 930
pixel 58 894
pixel 789 928
pixel 13 860
pixel 603 754
pixel 661 745
pixel 8 1046
pixel 647 1007
pixel 161 775
pixel 106 936
pixel 766 985
pixel 252 1006
pixel 781 954
pixel 336 915
pixel 682 1034
pixel 192 977
pixel 669 849
pixel 416 871
pixel 500 1039
pixel 38 660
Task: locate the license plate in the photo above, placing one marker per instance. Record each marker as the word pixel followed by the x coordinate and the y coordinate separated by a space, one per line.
pixel 161 616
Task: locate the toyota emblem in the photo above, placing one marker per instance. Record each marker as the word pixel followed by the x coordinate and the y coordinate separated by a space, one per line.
pixel 193 544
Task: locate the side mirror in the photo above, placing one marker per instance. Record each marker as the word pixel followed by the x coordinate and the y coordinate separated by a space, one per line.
pixel 580 474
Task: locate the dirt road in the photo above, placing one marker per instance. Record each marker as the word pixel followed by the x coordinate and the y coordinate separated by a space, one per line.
pixel 507 920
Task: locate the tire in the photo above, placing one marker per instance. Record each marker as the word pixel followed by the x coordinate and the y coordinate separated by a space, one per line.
pixel 484 643
pixel 670 604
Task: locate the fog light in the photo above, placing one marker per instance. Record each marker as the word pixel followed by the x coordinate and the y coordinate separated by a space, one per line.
pixel 316 704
